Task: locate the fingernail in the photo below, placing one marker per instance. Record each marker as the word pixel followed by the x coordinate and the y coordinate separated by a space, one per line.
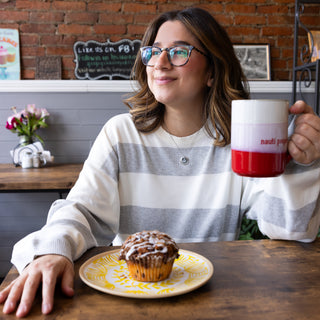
pixel 46 308
pixel 22 310
pixel 8 307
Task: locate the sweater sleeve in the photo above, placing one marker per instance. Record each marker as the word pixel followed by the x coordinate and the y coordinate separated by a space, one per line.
pixel 88 217
pixel 286 207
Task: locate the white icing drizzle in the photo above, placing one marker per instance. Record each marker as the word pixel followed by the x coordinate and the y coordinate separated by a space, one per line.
pixel 153 242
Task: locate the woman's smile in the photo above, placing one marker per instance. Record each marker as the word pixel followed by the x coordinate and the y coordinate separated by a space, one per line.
pixel 162 80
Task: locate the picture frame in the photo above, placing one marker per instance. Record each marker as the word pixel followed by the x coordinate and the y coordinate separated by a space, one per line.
pixel 314 44
pixel 9 54
pixel 254 60
pixel 48 68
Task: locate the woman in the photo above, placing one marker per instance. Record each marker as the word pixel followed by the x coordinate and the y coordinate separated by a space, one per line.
pixel 166 165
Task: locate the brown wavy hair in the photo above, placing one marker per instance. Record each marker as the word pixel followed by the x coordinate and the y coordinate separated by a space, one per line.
pixel 229 82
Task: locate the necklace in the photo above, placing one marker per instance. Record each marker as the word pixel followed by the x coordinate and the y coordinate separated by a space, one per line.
pixel 183 158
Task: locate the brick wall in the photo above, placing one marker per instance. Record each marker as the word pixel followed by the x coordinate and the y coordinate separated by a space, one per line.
pixel 50 27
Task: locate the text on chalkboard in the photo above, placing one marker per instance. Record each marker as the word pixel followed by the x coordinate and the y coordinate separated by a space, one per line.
pixel 112 60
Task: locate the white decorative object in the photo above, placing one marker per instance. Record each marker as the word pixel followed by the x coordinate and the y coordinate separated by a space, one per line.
pixel 17 154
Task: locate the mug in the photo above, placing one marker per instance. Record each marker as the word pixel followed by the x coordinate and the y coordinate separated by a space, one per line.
pixel 259 137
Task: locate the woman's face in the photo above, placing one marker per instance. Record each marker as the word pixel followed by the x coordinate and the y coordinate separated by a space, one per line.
pixel 173 86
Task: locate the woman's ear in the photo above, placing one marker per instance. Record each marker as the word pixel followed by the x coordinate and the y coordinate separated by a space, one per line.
pixel 210 82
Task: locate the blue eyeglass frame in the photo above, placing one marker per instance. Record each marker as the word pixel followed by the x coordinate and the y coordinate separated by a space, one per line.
pixel 190 48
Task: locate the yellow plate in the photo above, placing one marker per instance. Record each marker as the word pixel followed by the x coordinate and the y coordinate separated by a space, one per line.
pixel 104 272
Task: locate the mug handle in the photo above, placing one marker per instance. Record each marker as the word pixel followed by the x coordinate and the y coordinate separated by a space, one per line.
pixel 288 158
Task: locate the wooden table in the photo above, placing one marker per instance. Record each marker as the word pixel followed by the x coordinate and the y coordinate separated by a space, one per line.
pixel 55 177
pixel 261 279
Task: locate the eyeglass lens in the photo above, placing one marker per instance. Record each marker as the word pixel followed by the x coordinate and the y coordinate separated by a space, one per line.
pixel 178 55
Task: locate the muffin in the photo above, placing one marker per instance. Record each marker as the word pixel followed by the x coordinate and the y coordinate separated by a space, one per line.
pixel 149 255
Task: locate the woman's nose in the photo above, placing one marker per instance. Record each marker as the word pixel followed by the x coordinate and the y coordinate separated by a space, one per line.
pixel 163 61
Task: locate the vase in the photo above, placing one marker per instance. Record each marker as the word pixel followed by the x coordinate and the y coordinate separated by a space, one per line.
pixel 25 140
pixel 25 145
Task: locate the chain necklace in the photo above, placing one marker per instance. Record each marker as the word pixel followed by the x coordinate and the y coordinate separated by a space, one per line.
pixel 183 158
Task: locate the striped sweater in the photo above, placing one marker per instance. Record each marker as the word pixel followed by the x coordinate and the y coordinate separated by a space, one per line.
pixel 133 181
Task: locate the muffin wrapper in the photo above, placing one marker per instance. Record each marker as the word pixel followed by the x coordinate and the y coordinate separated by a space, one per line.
pixel 150 269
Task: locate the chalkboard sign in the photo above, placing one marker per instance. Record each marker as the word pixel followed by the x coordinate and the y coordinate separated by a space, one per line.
pixel 112 60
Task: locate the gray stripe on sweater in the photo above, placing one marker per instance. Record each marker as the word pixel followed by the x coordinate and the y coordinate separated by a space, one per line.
pixel 165 161
pixel 201 224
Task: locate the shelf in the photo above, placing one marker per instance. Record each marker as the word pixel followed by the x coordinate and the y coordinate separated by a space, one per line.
pixel 120 86
pixel 66 86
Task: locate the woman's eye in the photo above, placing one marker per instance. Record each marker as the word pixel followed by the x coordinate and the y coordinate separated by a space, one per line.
pixel 156 52
pixel 180 53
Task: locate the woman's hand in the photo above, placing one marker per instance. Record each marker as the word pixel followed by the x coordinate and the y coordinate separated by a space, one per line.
pixel 46 269
pixel 304 144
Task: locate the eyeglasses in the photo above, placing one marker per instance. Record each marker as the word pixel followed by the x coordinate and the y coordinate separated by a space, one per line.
pixel 178 56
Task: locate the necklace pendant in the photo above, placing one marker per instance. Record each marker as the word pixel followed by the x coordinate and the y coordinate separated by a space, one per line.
pixel 184 160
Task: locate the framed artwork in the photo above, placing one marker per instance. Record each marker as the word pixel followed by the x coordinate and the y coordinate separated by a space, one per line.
pixel 314 44
pixel 254 60
pixel 9 54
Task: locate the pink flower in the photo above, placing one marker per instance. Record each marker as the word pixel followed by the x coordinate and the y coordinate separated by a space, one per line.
pixel 31 110
pixel 11 123
pixel 28 121
pixel 44 113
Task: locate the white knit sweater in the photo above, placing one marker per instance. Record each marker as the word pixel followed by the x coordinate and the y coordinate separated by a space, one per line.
pixel 133 181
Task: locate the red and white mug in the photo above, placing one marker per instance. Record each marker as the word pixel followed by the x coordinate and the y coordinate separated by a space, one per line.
pixel 259 137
